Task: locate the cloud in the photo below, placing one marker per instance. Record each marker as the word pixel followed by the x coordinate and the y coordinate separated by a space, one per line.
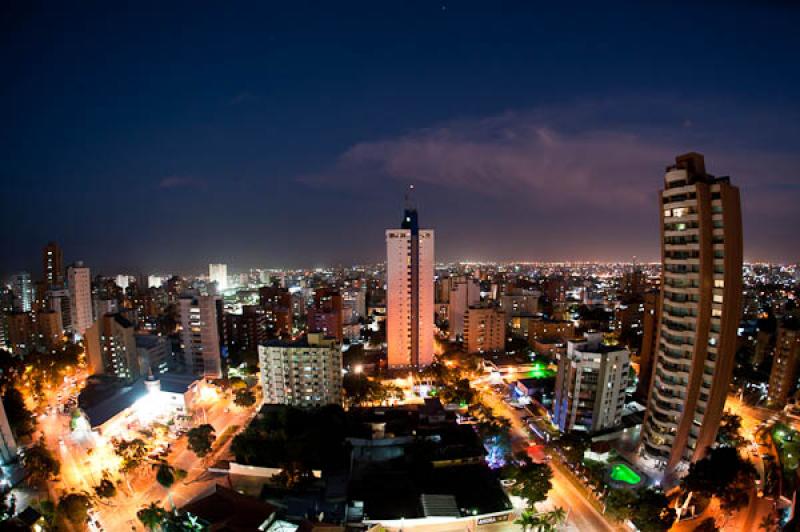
pixel 174 182
pixel 606 155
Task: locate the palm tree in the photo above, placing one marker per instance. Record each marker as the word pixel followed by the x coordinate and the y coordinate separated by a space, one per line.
pixel 527 520
pixel 152 516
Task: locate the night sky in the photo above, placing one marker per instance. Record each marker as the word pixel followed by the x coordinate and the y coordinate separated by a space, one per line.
pixel 284 134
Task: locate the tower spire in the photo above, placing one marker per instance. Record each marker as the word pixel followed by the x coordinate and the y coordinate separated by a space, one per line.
pixel 410 205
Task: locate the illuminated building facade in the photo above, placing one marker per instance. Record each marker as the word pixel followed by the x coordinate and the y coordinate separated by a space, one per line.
pixel 53 265
pixel 218 273
pixel 200 335
pixel 79 282
pixel 410 309
pixel 305 373
pixel 783 376
pixel 484 329
pixel 22 291
pixel 701 288
pixel 590 385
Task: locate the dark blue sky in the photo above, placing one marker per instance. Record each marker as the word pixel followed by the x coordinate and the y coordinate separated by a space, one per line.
pixel 278 134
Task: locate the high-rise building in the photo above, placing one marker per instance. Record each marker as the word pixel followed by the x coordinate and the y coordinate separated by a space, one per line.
pixel 305 373
pixel 22 291
pixel 53 266
pixel 701 288
pixel 590 385
pixel 111 348
pixel 8 445
pixel 246 331
pixel 647 350
pixel 464 292
pixel 277 304
pixel 325 314
pixel 785 362
pixel 20 332
pixel 409 273
pixel 484 329
pixel 123 281
pixel 218 273
pixel 200 335
pixel 155 353
pixel 79 282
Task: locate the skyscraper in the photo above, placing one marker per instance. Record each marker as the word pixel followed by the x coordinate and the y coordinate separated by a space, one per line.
pixel 79 282
pixel 53 265
pixel 783 377
pixel 409 274
pixel 218 273
pixel 700 300
pixel 200 336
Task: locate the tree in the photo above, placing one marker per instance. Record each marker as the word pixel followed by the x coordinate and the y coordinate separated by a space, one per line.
pixel 770 523
pixel 729 433
pixel 19 417
pixel 646 508
pixel 165 475
pixel 105 489
pixel 244 398
pixel 8 505
pixel 152 516
pixel 532 481
pixel 132 452
pixel 74 507
pixel 541 522
pixel 724 474
pixel 201 439
pixel 40 463
pixel 573 445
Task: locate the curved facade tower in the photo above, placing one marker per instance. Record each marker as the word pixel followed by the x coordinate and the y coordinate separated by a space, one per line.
pixel 700 309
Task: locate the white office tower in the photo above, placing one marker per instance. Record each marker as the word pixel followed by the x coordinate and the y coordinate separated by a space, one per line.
pixel 79 283
pixel 22 291
pixel 305 373
pixel 8 445
pixel 218 273
pixel 590 385
pixel 464 293
pixel 154 281
pixel 410 311
pixel 200 336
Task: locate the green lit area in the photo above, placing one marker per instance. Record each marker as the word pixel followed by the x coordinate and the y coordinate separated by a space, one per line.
pixel 623 473
pixel 540 370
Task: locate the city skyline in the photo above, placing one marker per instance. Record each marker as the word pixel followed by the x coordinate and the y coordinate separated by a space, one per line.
pixel 282 122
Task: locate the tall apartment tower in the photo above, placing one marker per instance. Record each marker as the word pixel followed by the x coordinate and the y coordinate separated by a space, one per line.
pixel 218 273
pixel 701 288
pixel 647 350
pixel 590 385
pixel 22 290
pixel 53 265
pixel 464 292
pixel 8 445
pixel 409 273
pixel 785 362
pixel 484 329
pixel 79 281
pixel 200 336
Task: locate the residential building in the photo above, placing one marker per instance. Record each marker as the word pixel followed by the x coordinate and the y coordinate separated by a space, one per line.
pixel 517 301
pixel 8 445
pixel 305 373
pixel 484 329
pixel 20 332
pixel 409 273
pixel 218 273
pixel 325 314
pixel 701 290
pixel 277 304
pixel 22 291
pixel 200 335
pixel 785 361
pixel 543 328
pixel 79 283
pixel 246 331
pixel 154 353
pixel 464 292
pixel 111 348
pixel 590 385
pixel 647 350
pixel 53 265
